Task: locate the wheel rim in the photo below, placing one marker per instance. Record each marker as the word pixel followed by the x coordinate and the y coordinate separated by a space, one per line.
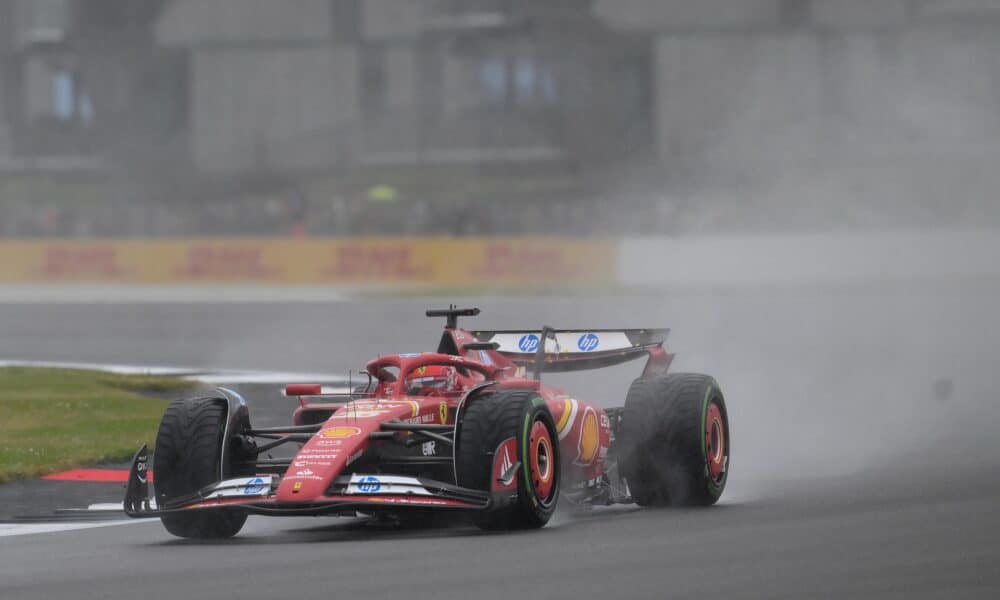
pixel 716 449
pixel 541 462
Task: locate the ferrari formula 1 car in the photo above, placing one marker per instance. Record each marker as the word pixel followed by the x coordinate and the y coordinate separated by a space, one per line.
pixel 467 428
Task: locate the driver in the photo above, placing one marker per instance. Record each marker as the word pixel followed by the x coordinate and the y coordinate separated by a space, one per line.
pixel 432 379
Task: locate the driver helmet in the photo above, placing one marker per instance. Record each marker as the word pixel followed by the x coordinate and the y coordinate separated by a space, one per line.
pixel 432 377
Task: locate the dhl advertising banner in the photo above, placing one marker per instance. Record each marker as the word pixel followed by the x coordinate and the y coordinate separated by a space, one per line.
pixel 393 262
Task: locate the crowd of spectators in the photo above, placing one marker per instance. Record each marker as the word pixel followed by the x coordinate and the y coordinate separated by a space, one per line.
pixel 803 204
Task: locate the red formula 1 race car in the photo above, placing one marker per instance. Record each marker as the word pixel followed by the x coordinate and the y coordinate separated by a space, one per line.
pixel 469 428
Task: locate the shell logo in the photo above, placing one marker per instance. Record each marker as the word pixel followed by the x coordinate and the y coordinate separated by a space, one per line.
pixel 336 433
pixel 590 438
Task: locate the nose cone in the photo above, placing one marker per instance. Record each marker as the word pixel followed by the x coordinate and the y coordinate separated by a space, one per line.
pixel 342 440
pixel 321 459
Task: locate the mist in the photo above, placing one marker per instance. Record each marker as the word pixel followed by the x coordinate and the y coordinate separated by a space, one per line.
pixel 823 174
pixel 804 191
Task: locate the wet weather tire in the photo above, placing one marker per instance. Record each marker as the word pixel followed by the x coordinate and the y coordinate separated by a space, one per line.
pixel 675 440
pixel 186 459
pixel 488 423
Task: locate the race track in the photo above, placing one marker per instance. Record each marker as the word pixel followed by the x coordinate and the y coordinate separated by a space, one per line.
pixel 865 455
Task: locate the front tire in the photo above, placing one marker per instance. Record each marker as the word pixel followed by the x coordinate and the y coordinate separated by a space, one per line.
pixel 488 424
pixel 187 458
pixel 675 440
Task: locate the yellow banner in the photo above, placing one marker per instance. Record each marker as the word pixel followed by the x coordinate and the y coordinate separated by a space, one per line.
pixel 414 261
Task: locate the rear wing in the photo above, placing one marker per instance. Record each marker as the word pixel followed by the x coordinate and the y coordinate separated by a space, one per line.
pixel 560 350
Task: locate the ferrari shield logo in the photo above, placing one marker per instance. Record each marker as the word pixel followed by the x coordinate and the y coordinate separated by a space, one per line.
pixel 443 412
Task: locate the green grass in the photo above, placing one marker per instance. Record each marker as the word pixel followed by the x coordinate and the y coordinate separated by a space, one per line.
pixel 56 419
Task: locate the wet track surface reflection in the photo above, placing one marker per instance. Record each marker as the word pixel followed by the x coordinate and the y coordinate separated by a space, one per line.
pixel 865 456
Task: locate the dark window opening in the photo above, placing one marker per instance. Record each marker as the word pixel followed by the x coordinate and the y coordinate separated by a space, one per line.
pixel 346 15
pixel 522 82
pixel 373 80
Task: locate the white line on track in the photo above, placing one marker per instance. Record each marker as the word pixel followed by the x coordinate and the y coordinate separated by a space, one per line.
pixel 109 506
pixel 12 529
pixel 203 375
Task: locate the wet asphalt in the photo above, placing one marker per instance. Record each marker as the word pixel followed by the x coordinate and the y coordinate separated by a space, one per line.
pixel 865 456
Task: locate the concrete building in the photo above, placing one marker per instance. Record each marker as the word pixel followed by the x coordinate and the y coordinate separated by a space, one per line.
pixel 761 83
pixel 311 82
pixel 741 86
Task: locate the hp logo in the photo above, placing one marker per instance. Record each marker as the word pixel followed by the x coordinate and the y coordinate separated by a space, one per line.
pixel 253 487
pixel 588 342
pixel 528 343
pixel 369 484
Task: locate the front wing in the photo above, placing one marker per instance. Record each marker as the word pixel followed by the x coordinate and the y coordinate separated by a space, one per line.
pixel 349 493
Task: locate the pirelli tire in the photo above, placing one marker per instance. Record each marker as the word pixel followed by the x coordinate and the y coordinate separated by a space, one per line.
pixel 487 423
pixel 186 459
pixel 675 440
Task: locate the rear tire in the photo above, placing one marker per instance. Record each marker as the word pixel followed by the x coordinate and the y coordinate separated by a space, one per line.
pixel 486 423
pixel 186 459
pixel 675 440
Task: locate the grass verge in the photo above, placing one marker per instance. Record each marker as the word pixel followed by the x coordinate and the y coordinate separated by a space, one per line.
pixel 56 419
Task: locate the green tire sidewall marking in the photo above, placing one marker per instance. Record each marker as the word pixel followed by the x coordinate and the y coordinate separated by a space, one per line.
pixel 529 486
pixel 529 420
pixel 712 488
pixel 704 415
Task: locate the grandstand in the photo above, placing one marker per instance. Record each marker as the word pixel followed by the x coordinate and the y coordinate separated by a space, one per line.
pixel 240 117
